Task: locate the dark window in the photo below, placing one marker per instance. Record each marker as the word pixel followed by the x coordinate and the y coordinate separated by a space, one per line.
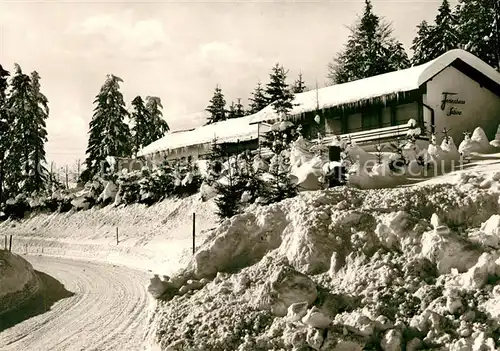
pixel 370 120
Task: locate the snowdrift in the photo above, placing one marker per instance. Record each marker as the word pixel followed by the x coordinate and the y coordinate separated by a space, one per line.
pixel 18 282
pixel 414 267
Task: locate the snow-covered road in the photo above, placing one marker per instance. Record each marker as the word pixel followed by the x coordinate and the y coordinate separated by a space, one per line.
pixel 108 311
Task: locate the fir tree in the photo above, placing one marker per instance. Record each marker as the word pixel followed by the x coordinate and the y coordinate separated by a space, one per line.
pixel 231 113
pixel 239 110
pixel 236 110
pixel 109 135
pixel 299 86
pixel 279 139
pixel 422 51
pixel 258 100
pixel 433 41
pixel 39 112
pixel 215 159
pixel 379 155
pixel 19 111
pixel 141 127
pixel 370 50
pixel 278 92
pixel 4 129
pixel 251 179
pixel 280 187
pixel 228 200
pixel 479 29
pixel 217 107
pixel 149 124
pixel 157 125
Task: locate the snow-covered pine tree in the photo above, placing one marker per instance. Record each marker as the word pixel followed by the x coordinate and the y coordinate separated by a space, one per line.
pixel 399 162
pixel 299 86
pixel 228 200
pixel 231 113
pixel 19 111
pixel 280 186
pixel 251 179
pixel 280 138
pixel 258 100
pixel 422 51
pixel 39 111
pixel 140 130
pixel 479 29
pixel 239 110
pixel 4 129
pixel 109 135
pixel 434 40
pixel 379 155
pixel 446 134
pixel 149 124
pixel 217 107
pixel 279 94
pixel 370 50
pixel 444 31
pixel 157 125
pixel 216 159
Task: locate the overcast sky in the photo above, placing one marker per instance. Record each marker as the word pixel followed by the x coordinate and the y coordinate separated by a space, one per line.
pixel 178 51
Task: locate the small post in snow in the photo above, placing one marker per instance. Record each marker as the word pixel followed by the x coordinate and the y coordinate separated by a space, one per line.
pixel 117 236
pixel 194 232
pixel 10 243
pixel 5 243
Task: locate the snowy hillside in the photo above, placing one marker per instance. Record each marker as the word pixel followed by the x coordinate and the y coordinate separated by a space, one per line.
pixel 155 237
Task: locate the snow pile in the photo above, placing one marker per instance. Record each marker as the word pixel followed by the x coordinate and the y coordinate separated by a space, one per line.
pixel 18 281
pixel 477 144
pixel 496 142
pixel 450 150
pixel 343 269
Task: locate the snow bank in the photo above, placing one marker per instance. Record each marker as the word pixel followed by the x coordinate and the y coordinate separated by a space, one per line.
pixel 342 269
pixel 496 142
pixel 477 143
pixel 18 281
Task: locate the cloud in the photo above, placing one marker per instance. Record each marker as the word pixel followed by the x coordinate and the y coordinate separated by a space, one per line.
pixel 222 62
pixel 119 35
pixel 223 52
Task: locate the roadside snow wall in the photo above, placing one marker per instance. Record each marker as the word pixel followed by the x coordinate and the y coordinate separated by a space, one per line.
pixel 18 282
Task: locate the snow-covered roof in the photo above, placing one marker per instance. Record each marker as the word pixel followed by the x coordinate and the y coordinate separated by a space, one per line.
pixel 380 86
pixel 231 130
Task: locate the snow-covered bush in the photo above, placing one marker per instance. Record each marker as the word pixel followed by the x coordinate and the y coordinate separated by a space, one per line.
pixel 129 188
pixel 16 208
pixel 187 178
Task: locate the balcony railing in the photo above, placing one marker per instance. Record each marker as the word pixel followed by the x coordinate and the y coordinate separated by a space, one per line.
pixel 364 137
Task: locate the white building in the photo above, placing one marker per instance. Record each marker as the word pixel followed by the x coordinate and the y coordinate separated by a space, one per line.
pixel 457 90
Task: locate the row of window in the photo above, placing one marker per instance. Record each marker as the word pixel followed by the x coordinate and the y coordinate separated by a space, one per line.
pixel 372 119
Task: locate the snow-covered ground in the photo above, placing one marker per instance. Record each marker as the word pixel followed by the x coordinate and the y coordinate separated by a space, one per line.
pixel 108 310
pixel 157 238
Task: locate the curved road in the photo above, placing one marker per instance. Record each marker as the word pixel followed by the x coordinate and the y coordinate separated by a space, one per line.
pixel 108 311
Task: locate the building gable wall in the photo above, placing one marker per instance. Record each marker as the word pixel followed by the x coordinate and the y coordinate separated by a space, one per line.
pixel 473 105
